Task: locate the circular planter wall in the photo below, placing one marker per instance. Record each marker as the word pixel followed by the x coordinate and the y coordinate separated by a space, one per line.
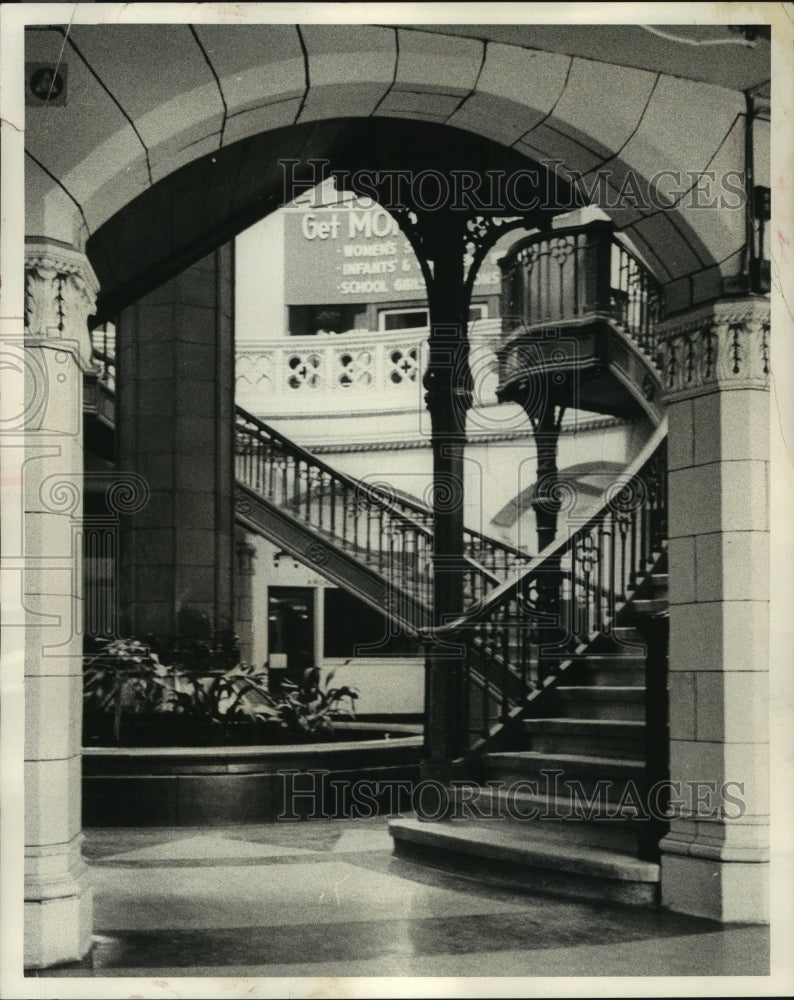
pixel 221 785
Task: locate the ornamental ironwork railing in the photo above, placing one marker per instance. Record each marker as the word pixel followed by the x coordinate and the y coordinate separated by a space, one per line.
pixel 568 596
pixel 346 509
pixel 576 273
pixel 390 533
pixel 103 345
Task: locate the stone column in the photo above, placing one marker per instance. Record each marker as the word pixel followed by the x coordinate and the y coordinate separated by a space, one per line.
pixel 175 428
pixel 716 371
pixel 60 289
pixel 245 553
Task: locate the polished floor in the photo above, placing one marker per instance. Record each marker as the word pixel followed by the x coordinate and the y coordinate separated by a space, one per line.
pixel 327 898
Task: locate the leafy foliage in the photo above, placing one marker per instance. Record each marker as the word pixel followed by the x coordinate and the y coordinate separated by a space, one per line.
pixel 128 677
pixel 310 707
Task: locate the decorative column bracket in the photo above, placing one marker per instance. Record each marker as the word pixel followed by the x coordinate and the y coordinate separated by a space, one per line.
pixel 450 246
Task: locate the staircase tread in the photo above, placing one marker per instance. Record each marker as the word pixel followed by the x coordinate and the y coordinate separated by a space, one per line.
pixel 587 691
pixel 525 845
pixel 561 813
pixel 533 756
pixel 598 657
pixel 578 723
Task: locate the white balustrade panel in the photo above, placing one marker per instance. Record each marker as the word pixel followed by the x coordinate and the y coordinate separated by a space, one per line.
pixel 352 372
pixel 355 371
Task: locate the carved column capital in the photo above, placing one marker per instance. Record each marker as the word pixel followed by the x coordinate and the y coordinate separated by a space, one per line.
pixel 60 295
pixel 723 345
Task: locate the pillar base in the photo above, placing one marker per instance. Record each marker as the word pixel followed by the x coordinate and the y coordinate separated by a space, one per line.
pixel 58 906
pixel 57 931
pixel 728 891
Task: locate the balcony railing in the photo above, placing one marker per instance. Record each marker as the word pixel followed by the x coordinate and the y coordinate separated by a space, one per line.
pixel 572 274
pixel 360 369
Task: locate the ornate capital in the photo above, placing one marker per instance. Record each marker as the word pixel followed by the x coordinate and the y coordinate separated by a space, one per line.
pixel 60 295
pixel 724 345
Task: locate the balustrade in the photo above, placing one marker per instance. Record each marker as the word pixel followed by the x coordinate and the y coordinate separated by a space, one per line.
pixel 315 373
pixel 568 275
pixel 393 533
pixel 568 596
pixel 388 532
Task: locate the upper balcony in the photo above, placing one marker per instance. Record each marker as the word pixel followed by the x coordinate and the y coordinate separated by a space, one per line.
pixel 353 373
pixel 579 316
pixel 360 385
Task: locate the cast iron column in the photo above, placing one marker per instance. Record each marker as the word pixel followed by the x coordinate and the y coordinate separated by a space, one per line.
pixel 447 382
pixel 450 246
pixel 546 501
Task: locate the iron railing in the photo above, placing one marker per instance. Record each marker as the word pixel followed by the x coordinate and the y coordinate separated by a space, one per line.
pixel 103 344
pixel 389 533
pixel 574 273
pixel 569 595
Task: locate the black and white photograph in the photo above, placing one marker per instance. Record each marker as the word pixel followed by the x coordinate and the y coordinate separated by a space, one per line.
pixel 396 500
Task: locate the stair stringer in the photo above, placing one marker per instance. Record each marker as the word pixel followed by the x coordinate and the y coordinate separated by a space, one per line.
pixel 603 345
pixel 276 525
pixel 506 733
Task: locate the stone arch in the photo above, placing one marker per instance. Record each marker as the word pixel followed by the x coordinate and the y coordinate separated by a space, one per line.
pixel 115 139
pixel 184 100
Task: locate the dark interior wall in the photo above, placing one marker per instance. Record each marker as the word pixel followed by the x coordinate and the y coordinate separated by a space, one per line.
pixel 175 427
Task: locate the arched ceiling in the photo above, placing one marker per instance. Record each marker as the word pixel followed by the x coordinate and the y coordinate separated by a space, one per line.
pixel 144 101
pixel 201 205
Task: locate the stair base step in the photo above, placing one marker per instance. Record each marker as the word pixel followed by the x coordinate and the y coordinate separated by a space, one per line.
pixel 554 743
pixel 502 855
pixel 525 761
pixel 566 819
pixel 622 704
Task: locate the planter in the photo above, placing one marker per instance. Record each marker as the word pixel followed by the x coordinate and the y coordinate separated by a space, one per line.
pixel 168 729
pixel 226 784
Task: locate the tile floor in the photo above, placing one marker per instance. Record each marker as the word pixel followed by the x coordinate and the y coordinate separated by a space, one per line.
pixel 327 898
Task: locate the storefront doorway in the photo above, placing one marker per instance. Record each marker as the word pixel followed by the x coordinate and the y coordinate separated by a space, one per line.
pixel 290 633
